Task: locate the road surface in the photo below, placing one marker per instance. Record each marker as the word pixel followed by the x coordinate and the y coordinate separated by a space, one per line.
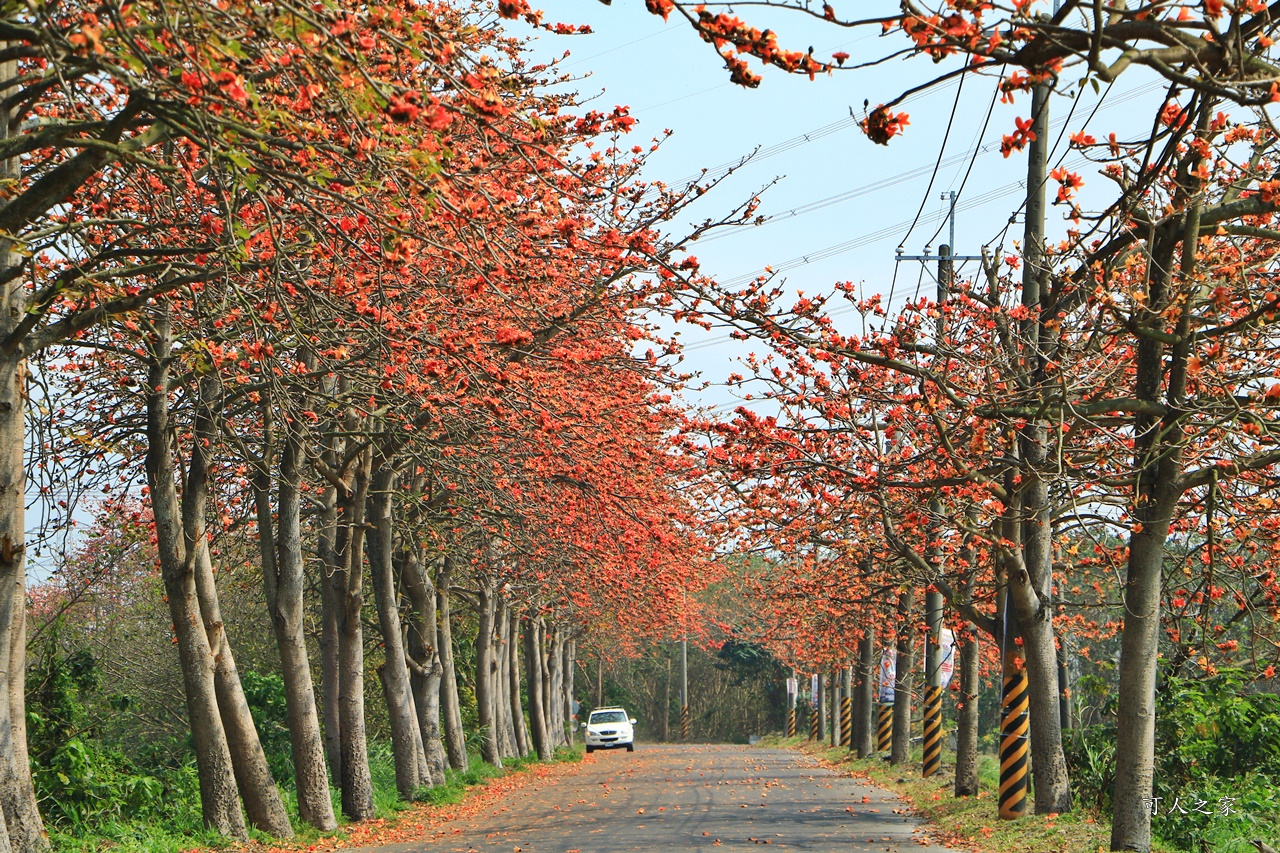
pixel 680 798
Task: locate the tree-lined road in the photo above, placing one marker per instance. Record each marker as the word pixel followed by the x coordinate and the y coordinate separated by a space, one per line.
pixel 680 798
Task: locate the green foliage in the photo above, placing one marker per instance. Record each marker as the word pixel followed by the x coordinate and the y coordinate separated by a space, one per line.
pixel 78 781
pixel 1091 760
pixel 748 662
pixel 1217 763
pixel 1217 751
pixel 382 772
pixel 266 698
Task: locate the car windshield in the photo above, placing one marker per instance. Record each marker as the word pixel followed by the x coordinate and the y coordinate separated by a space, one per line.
pixel 609 717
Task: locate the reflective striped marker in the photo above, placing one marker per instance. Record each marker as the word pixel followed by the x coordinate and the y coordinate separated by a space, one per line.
pixel 1014 728
pixel 932 730
pixel 813 725
pixel 884 728
pixel 791 722
pixel 846 722
pixel 684 722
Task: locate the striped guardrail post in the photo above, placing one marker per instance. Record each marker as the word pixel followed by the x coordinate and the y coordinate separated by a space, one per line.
pixel 791 722
pixel 884 728
pixel 1014 743
pixel 846 721
pixel 684 722
pixel 932 730
pixel 813 724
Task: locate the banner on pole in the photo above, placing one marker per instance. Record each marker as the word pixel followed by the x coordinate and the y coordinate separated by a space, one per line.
pixel 888 674
pixel 813 690
pixel 947 666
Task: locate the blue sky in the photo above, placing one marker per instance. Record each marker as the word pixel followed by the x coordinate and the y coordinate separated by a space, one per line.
pixel 843 202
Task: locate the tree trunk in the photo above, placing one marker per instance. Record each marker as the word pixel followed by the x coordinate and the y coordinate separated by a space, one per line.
pixel 1135 710
pixel 219 796
pixel 424 656
pixel 864 704
pixel 330 602
pixel 455 739
pixel 555 678
pixel 537 706
pixel 502 679
pixel 1048 764
pixel 1159 445
pixel 904 681
pixel 262 802
pixel 258 789
pixel 967 715
pixel 21 827
pixel 512 632
pixel 570 670
pixel 346 579
pixel 836 723
pixel 1064 684
pixel 283 583
pixel 490 747
pixel 402 714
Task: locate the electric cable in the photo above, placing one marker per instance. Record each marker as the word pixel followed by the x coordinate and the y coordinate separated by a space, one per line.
pixel 937 164
pixel 901 177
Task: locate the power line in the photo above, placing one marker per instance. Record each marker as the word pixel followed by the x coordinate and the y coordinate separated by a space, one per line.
pixel 880 234
pixel 787 145
pixel 911 174
pixel 937 164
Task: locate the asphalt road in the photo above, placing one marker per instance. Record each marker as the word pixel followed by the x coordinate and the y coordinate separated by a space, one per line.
pixel 678 798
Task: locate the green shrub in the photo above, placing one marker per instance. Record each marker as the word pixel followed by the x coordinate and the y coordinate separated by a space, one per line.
pixel 266 699
pixel 1091 760
pixel 1217 751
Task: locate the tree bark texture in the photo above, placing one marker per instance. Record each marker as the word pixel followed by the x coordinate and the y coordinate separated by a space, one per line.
pixel 219 796
pixel 967 715
pixel 864 703
pixel 262 802
pixel 904 681
pixel 537 705
pixel 455 739
pixel 502 679
pixel 426 670
pixel 490 746
pixel 512 633
pixel 1159 445
pixel 21 827
pixel 283 579
pixel 402 713
pixel 345 579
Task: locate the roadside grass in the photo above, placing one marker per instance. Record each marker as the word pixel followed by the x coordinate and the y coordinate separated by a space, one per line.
pixel 181 830
pixel 971 823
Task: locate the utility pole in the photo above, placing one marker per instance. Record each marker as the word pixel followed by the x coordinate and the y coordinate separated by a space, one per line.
pixel 933 602
pixel 846 708
pixel 684 689
pixel 684 668
pixel 822 705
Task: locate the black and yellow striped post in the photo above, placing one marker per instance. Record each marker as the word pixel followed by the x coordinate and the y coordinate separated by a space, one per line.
pixel 1014 743
pixel 813 723
pixel 684 722
pixel 791 722
pixel 846 721
pixel 884 728
pixel 932 730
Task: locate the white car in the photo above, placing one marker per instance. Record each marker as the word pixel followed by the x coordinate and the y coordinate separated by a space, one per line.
pixel 610 728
